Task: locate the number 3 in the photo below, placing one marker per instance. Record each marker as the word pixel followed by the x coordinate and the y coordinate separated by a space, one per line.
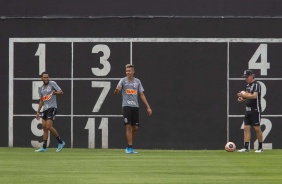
pixel 103 60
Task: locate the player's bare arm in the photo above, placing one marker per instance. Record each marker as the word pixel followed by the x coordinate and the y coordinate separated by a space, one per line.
pixel 57 92
pixel 143 98
pixel 116 92
pixel 248 95
pixel 39 108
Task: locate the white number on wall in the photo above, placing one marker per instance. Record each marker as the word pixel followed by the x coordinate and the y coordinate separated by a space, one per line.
pixel 106 88
pixel 262 93
pixel 263 65
pixel 103 60
pixel 90 125
pixel 41 52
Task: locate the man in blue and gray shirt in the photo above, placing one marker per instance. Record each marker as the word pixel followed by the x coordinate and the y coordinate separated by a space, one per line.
pixel 47 93
pixel 131 87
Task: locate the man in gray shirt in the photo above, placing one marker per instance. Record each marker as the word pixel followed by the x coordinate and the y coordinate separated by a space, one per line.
pixel 47 93
pixel 131 87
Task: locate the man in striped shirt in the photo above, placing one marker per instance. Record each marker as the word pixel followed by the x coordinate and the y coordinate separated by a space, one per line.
pixel 252 97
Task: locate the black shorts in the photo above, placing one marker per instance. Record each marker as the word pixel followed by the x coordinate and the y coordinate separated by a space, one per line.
pixel 252 118
pixel 49 114
pixel 131 115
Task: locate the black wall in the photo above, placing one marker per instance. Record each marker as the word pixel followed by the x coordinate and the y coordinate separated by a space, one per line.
pixel 191 84
pixel 186 82
pixel 141 8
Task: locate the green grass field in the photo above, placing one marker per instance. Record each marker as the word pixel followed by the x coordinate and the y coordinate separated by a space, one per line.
pixel 79 166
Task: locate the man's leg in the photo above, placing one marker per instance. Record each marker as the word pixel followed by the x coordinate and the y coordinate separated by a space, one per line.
pixel 49 126
pixel 128 129
pixel 259 137
pixel 45 134
pixel 45 138
pixel 259 133
pixel 247 135
pixel 134 132
pixel 130 136
pixel 247 138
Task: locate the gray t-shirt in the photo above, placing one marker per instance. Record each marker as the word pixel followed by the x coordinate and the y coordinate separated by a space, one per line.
pixel 130 91
pixel 45 93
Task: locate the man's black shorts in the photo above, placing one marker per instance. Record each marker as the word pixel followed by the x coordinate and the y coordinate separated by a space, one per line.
pixel 49 114
pixel 131 115
pixel 252 118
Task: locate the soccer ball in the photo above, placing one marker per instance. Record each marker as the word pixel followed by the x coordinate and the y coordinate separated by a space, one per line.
pixel 243 92
pixel 230 147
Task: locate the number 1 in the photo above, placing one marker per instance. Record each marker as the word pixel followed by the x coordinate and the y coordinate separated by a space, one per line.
pixel 41 52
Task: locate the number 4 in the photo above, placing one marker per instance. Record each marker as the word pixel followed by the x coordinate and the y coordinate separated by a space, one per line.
pixel 263 65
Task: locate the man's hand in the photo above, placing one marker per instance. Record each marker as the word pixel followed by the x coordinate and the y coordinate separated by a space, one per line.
pixel 149 110
pixel 241 94
pixel 241 99
pixel 244 94
pixel 37 116
pixel 116 91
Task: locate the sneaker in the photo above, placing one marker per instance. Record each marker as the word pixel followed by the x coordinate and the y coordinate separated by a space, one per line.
pixel 259 151
pixel 128 150
pixel 41 150
pixel 60 146
pixel 244 150
pixel 134 152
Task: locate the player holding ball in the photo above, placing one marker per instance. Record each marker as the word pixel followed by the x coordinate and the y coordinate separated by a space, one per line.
pixel 252 98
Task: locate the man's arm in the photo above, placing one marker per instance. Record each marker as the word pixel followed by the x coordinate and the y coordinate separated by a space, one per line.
pixel 248 95
pixel 58 92
pixel 117 90
pixel 143 98
pixel 39 108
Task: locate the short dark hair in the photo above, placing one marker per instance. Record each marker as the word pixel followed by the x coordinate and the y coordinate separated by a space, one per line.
pixel 129 66
pixel 44 73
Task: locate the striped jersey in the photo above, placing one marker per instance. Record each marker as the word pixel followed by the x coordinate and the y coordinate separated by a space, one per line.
pixel 254 103
pixel 45 93
pixel 130 91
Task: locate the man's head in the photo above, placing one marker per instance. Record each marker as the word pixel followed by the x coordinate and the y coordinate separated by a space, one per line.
pixel 45 78
pixel 129 68
pixel 249 76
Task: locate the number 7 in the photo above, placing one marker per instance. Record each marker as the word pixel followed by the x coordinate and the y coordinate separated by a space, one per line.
pixel 105 91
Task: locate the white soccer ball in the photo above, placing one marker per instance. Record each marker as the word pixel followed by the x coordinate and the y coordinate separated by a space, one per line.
pixel 230 147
